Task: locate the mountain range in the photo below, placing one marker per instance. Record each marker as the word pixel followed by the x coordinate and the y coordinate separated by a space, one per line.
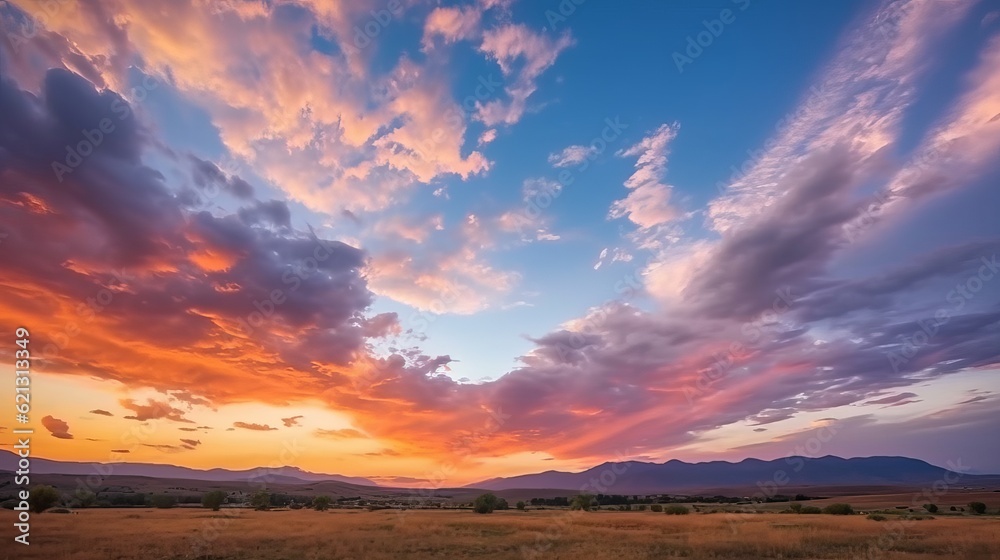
pixel 288 475
pixel 632 477
pixel 629 477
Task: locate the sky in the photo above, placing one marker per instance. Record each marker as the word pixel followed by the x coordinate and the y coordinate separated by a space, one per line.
pixel 438 242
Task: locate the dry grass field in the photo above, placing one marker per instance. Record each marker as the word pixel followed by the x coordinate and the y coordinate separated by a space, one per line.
pixel 148 534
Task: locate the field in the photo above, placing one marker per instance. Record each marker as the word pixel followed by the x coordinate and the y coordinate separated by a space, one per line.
pixel 188 533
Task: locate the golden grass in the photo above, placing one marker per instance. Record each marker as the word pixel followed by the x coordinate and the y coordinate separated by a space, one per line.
pixel 143 534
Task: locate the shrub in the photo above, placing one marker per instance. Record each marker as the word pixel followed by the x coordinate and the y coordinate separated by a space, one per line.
pixel 260 501
pixel 321 503
pixel 502 504
pixel 163 501
pixel 656 507
pixel 213 500
pixel 797 508
pixel 876 517
pixel 520 506
pixel 485 503
pixel 59 510
pixel 42 497
pixel 642 508
pixel 85 498
pixel 295 505
pixel 581 501
pixel 811 510
pixel 676 509
pixel 977 508
pixel 839 509
pixel 931 508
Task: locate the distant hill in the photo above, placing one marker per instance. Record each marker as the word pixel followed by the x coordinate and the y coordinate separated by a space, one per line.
pixel 287 475
pixel 634 477
pixel 630 477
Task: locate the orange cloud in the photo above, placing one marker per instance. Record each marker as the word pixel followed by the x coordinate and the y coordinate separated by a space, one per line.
pixel 56 427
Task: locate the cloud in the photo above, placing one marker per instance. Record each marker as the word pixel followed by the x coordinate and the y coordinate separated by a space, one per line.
pixel 853 101
pixel 384 453
pixel 537 52
pixel 300 115
pixel 892 399
pixel 343 433
pixel 488 136
pixel 56 427
pixel 648 202
pixel 167 448
pixel 572 155
pixel 193 281
pixel 100 412
pixel 190 443
pixel 183 282
pixel 120 451
pixel 189 398
pixel 153 410
pixel 450 277
pixel 253 426
pixel 451 24
pixel 290 422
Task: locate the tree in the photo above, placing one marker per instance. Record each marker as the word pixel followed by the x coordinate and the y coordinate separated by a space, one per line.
pixel 797 508
pixel 213 499
pixel 163 501
pixel 977 508
pixel 485 503
pixel 676 509
pixel 321 503
pixel 502 504
pixel 581 501
pixel 520 506
pixel 42 497
pixel 85 498
pixel 931 508
pixel 260 501
pixel 656 507
pixel 839 509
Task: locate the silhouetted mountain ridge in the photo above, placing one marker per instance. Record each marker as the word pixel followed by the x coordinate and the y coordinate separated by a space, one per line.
pixel 630 477
pixel 8 462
